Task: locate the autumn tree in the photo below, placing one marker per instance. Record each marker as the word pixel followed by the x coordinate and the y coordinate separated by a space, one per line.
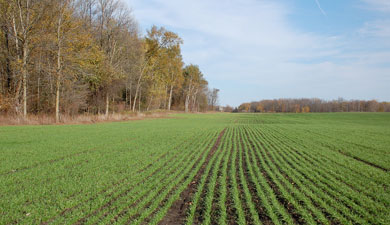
pixel 172 52
pixel 315 105
pixel 151 50
pixel 25 16
pixel 193 82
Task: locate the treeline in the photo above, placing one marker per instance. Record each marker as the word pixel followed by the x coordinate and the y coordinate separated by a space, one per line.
pixel 88 56
pixel 314 105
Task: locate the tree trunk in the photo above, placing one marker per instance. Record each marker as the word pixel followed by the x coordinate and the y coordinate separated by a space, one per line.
pixel 170 98
pixel 25 23
pixel 137 89
pixel 59 70
pixel 38 94
pixel 126 96
pixel 130 96
pixel 193 100
pixel 139 101
pixel 150 102
pixel 7 60
pixel 107 104
pixel 20 81
pixel 194 104
pixel 58 99
pixel 24 72
pixel 187 102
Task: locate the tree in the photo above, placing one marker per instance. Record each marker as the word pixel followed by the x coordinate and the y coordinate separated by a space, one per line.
pixel 260 108
pixel 175 63
pixel 244 107
pixel 114 20
pixel 63 20
pixel 193 82
pixel 162 69
pixel 306 109
pixel 77 54
pixel 213 98
pixel 26 16
pixel 151 50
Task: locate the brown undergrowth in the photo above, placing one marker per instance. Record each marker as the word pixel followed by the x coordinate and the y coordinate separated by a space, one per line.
pixel 12 120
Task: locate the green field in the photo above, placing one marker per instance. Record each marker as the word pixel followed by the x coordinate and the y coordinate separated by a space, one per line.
pixel 200 169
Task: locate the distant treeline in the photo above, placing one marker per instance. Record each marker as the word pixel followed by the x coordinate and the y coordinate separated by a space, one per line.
pixel 87 56
pixel 314 105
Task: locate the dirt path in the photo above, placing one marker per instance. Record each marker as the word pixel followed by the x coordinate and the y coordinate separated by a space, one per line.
pixel 177 213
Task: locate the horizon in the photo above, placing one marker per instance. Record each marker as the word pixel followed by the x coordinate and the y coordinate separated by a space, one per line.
pixel 253 50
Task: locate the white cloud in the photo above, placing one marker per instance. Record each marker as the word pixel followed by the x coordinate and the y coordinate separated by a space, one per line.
pixel 380 5
pixel 378 28
pixel 259 27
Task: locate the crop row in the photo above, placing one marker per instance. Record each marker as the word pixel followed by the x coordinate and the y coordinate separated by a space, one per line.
pixel 103 201
pixel 259 177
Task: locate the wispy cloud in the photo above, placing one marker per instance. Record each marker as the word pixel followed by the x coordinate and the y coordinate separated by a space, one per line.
pixel 319 6
pixel 377 28
pixel 379 5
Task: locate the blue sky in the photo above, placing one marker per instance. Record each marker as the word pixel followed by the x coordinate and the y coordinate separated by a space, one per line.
pixel 265 49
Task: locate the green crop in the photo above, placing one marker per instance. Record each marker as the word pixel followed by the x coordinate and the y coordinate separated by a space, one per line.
pixel 325 168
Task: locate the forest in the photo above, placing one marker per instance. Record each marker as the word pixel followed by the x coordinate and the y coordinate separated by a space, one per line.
pixel 70 57
pixel 306 105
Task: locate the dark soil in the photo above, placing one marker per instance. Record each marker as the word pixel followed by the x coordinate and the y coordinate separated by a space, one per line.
pixel 177 213
pixel 265 219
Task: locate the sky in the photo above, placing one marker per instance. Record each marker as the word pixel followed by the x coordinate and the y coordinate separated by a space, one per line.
pixel 266 49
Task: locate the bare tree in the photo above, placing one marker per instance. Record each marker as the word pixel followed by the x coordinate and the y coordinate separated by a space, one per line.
pixel 27 15
pixel 213 98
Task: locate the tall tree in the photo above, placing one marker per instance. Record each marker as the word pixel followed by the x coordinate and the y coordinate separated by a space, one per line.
pixel 193 83
pixel 151 47
pixel 213 98
pixel 26 17
pixel 63 20
pixel 113 21
pixel 174 74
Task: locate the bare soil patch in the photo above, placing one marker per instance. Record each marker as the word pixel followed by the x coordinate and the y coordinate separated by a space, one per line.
pixel 177 213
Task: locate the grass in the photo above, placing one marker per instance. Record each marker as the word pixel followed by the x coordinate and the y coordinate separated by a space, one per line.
pixel 325 168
